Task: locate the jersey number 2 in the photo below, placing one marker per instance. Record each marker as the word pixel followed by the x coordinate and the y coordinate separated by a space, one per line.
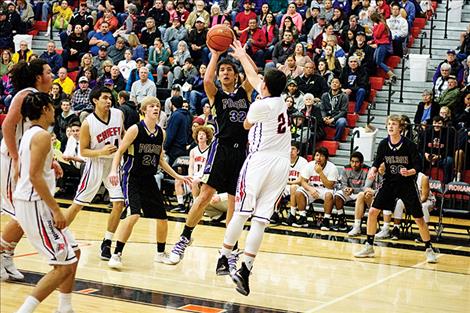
pixel 281 124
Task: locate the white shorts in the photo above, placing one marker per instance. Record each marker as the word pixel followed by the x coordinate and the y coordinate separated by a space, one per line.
pixel 322 192
pixel 96 172
pixel 57 246
pixel 351 197
pixel 287 190
pixel 7 185
pixel 260 185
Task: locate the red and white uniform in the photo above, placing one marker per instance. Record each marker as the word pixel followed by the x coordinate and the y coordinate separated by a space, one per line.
pixel 294 172
pixel 313 178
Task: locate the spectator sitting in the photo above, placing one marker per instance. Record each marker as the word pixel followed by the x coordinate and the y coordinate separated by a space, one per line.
pixel 131 116
pixel 279 8
pixel 175 34
pixel 451 96
pixel 291 110
pixel 338 52
pixel 426 110
pixel 311 82
pixel 175 92
pixel 6 31
pixel 282 50
pixel 242 18
pixel 143 87
pixel 6 63
pixel 118 79
pixel 312 112
pixel 184 73
pixel 63 120
pixel 197 13
pixel 127 65
pixel 23 54
pixel 355 82
pixel 177 131
pixel 216 17
pixel 334 107
pixel 138 51
pixel 129 23
pixel 159 60
pixel 181 11
pixel 290 68
pixel 81 97
pixel 116 51
pixel 197 42
pixel 26 14
pixel 194 91
pixel 62 14
pixel 73 159
pixel 100 60
pixel 57 95
pixel 207 114
pixel 364 53
pixel 353 26
pixel 86 63
pixel 64 81
pixel 446 115
pixel 108 18
pixel 160 15
pixel 441 84
pixel 465 44
pixel 410 10
pixel 288 25
pixel 384 9
pixel 316 31
pixel 271 31
pixel 14 19
pixel 83 18
pixel 52 57
pixel 293 90
pixel 149 33
pixel 456 68
pixel 338 21
pixel 356 7
pixel 324 72
pixel 105 71
pixel 399 28
pixel 300 57
pixel 134 75
pixel 104 37
pixel 76 45
pixel 255 42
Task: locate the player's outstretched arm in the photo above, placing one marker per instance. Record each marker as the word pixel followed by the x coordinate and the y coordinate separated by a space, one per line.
pixel 209 76
pixel 251 71
pixel 128 139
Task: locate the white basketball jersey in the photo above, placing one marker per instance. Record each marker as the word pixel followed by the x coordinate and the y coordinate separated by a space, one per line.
pixel 105 132
pixel 270 132
pixel 296 168
pixel 200 158
pixel 22 125
pixel 313 178
pixel 24 189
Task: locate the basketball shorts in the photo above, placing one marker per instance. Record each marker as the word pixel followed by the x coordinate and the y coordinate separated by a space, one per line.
pixel 223 166
pixel 389 192
pixel 7 185
pixel 142 197
pixel 58 246
pixel 427 206
pixel 96 172
pixel 260 185
pixel 322 192
pixel 351 197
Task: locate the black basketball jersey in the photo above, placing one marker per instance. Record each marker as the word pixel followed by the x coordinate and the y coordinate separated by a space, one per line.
pixel 231 110
pixel 143 155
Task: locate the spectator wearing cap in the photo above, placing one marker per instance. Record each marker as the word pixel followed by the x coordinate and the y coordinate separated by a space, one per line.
pixel 102 38
pixel 143 87
pixel 116 51
pixel 197 14
pixel 14 19
pixel 6 36
pixel 255 41
pixel 64 81
pixel 456 68
pixel 177 131
pixel 149 33
pixel 134 74
pixel 334 108
pixel 109 83
pixel 311 82
pixel 293 91
pixel 282 50
pixel 81 97
pixel 364 53
pixel 127 65
pixel 52 57
pixel 399 28
pixel 197 42
pixel 175 34
pixel 426 110
pixel 441 84
pixel 355 82
pixel 316 30
pixel 128 108
pixel 451 96
pixel 159 60
pixel 100 58
pixel 243 17
pixel 160 15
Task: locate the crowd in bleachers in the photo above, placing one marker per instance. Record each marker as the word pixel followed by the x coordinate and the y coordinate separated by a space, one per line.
pixel 336 55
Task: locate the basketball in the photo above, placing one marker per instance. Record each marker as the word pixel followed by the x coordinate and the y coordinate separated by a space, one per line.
pixel 219 37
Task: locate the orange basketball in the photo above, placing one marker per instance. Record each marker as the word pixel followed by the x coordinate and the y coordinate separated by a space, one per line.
pixel 219 37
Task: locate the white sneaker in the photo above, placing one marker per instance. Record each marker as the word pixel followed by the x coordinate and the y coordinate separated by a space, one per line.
pixel 355 231
pixel 366 252
pixel 3 274
pixel 162 257
pixel 383 234
pixel 177 253
pixel 431 256
pixel 115 261
pixel 10 267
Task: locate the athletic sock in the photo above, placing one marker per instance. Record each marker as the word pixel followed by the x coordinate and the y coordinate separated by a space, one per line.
pixel 248 260
pixel 340 212
pixel 225 251
pixel 180 199
pixel 65 302
pixel 29 305
pixel 293 210
pixel 357 222
pixel 161 247
pixel 187 231
pixel 370 239
pixel 108 236
pixel 428 244
pixel 119 247
pixel 327 216
pixel 303 213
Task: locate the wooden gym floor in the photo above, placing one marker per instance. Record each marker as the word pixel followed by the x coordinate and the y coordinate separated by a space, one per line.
pixel 296 271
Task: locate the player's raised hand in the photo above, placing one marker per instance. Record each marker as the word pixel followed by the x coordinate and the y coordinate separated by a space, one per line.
pixel 215 52
pixel 238 50
pixel 108 149
pixel 113 178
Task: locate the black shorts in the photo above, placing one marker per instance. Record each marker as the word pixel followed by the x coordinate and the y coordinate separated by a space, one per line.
pixel 387 195
pixel 142 197
pixel 223 166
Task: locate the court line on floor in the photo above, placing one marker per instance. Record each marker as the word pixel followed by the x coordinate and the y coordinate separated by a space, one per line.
pixel 371 285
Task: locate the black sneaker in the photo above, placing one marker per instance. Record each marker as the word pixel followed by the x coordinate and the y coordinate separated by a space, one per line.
pixel 341 225
pixel 240 278
pixel 395 233
pixel 178 209
pixel 222 266
pixel 275 219
pixel 290 220
pixel 301 222
pixel 325 224
pixel 105 250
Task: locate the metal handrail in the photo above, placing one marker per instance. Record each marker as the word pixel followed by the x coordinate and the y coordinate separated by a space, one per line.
pixel 389 100
pixel 422 36
pixel 402 79
pixel 371 107
pixel 355 134
pixel 447 19
pixel 432 27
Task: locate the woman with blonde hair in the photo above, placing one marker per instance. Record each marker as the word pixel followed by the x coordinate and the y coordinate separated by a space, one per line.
pixel 138 51
pixel 216 15
pixel 86 63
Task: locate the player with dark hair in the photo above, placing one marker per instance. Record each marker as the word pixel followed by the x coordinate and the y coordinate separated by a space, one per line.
pixel 402 164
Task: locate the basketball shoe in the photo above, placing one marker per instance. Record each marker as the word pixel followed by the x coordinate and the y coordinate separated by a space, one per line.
pixel 115 261
pixel 431 256
pixel 366 252
pixel 395 233
pixel 355 231
pixel 3 273
pixel 301 222
pixel 162 257
pixel 177 253
pixel 10 268
pixel 105 250
pixel 241 279
pixel 222 266
pixel 325 224
pixel 290 220
pixel 384 233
